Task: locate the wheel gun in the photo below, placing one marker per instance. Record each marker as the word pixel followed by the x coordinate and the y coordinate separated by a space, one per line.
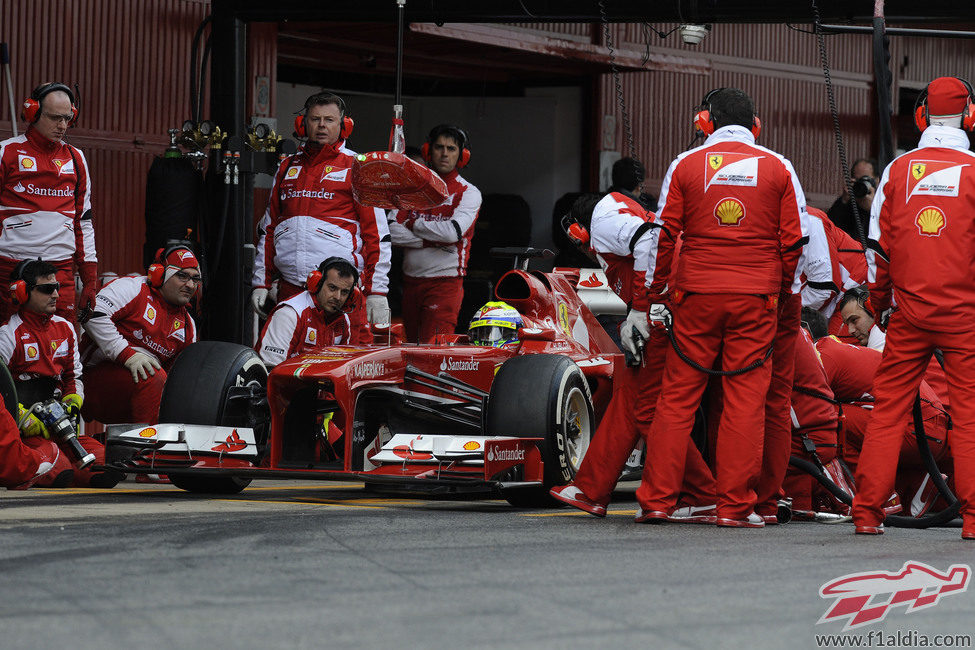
pixel 634 360
pixel 60 425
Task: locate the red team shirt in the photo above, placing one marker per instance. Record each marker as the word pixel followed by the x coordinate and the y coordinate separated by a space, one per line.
pixel 742 212
pixel 620 237
pixel 932 190
pixel 36 345
pixel 45 200
pixel 311 215
pixel 298 326
pixel 138 320
pixel 437 242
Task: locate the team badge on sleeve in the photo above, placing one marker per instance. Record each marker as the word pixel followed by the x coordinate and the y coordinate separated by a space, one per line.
pixel 930 221
pixel 728 168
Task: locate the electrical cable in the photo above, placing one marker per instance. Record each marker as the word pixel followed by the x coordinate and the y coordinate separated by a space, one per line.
pixel 608 37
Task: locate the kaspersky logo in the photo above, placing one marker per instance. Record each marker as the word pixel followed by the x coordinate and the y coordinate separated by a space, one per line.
pixel 867 598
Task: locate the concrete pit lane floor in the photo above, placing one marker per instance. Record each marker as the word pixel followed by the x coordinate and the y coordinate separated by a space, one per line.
pixel 330 565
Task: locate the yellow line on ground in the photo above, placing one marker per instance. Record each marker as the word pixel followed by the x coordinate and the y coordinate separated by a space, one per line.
pixel 161 488
pixel 302 502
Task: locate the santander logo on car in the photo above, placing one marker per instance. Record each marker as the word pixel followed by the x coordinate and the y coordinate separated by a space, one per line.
pixel 465 364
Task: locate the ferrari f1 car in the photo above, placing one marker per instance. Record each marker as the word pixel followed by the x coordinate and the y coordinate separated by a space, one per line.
pixel 447 417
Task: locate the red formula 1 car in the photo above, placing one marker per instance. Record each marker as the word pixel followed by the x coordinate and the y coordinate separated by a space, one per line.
pixel 448 417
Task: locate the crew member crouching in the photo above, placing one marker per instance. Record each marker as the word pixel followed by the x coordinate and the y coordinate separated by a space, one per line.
pixel 313 319
pixel 138 328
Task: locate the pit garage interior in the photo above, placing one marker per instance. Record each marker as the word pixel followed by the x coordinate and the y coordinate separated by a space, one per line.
pixel 530 82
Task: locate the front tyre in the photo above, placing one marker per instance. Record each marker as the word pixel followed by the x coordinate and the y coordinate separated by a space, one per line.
pixel 543 396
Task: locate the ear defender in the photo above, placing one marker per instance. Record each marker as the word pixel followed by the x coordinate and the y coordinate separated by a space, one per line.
pixel 347 125
pixel 314 281
pixel 426 149
pixel 156 273
pixel 704 125
pixel 19 291
pixel 922 120
pixel 32 105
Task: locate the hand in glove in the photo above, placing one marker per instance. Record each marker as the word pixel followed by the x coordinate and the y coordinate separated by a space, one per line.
pixel 72 404
pixel 29 424
pixel 659 315
pixel 636 322
pixel 377 309
pixel 141 366
pixel 262 302
pixel 89 285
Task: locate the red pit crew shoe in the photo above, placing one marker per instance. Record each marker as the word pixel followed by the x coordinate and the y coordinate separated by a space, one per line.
pixel 869 530
pixel 573 496
pixel 651 517
pixel 751 521
pixel 694 515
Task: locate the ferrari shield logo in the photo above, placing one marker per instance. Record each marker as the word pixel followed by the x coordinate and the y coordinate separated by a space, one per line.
pixel 917 170
pixel 715 161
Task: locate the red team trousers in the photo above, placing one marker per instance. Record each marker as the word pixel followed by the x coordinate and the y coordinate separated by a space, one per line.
pixel 778 421
pixel 627 419
pixel 906 357
pixel 737 329
pixel 430 307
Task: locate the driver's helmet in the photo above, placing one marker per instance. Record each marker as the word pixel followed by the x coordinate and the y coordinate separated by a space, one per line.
pixel 495 324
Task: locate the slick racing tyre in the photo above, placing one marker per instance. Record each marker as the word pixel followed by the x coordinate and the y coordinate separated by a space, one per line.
pixel 543 396
pixel 196 392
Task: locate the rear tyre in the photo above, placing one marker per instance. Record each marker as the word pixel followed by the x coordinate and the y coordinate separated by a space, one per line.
pixel 196 392
pixel 543 396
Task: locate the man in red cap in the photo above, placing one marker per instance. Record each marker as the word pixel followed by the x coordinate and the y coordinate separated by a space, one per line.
pixel 921 252
pixel 139 326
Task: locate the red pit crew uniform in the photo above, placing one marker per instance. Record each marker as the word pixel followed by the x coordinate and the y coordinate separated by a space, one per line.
pixel 848 266
pixel 311 215
pixel 742 213
pixel 45 209
pixel 620 237
pixel 299 326
pixel 130 316
pixel 922 255
pixel 36 345
pixel 438 245
pixel 20 459
pixel 813 416
pixel 851 370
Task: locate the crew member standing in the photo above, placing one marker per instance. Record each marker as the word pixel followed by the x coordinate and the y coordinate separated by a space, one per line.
pixel 921 257
pixel 437 242
pixel 620 235
pixel 45 199
pixel 741 211
pixel 311 215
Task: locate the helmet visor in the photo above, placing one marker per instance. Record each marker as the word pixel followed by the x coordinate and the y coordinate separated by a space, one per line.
pixel 492 335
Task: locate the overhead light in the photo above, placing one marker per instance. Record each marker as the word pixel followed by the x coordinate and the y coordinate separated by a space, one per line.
pixel 693 34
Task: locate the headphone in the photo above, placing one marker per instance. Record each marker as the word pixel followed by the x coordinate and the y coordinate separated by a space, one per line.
pixel 922 119
pixel 156 273
pixel 316 100
pixel 20 288
pixel 32 105
pixel 704 123
pixel 453 131
pixel 575 231
pixel 317 277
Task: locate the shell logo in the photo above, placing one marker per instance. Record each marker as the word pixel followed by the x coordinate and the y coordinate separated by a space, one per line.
pixel 148 432
pixel 729 212
pixel 930 221
pixel 31 351
pixel 150 313
pixel 292 172
pixel 472 445
pixel 715 161
pixel 27 163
